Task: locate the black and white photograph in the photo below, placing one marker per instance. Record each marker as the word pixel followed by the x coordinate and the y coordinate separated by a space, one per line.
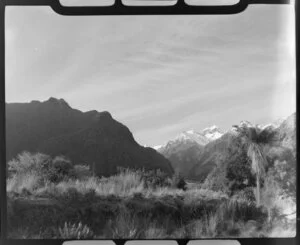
pixel 150 127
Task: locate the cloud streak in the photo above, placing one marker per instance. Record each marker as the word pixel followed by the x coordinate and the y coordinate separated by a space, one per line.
pixel 158 75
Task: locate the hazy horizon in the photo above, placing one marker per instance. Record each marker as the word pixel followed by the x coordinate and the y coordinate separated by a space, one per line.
pixel 159 76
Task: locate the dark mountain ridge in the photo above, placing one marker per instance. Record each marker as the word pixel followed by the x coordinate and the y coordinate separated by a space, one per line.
pixel 53 127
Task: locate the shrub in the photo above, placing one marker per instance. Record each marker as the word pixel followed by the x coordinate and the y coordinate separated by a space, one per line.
pixel 154 232
pixel 178 182
pixel 58 169
pixel 121 206
pixel 126 183
pixel 27 171
pixel 155 178
pixel 81 172
pixel 181 184
pixel 124 226
pixel 239 173
pixel 205 227
pixel 27 163
pixel 246 194
pixel 284 174
pixel 23 183
pixel 33 171
pixel 75 231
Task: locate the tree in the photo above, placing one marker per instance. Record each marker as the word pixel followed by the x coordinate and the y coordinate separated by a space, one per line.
pixel 239 173
pixel 254 138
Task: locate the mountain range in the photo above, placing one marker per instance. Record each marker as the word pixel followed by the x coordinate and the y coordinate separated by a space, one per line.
pixel 52 127
pixel 186 149
pixel 96 138
pixel 195 155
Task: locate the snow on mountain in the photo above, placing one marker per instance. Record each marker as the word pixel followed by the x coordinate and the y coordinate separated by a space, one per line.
pixel 246 123
pixel 203 137
pixel 211 129
pixel 274 124
pixel 280 143
pixel 184 151
pixel 191 136
pixel 212 133
pixel 209 134
pixel 194 154
pixel 157 147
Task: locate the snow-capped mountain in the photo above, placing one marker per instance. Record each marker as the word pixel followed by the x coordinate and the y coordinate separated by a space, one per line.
pixel 273 125
pixel 157 147
pixel 192 135
pixel 280 143
pixel 191 150
pixel 185 150
pixel 212 133
pixel 202 138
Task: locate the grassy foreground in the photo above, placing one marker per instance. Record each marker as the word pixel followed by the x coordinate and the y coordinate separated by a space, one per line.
pixel 59 200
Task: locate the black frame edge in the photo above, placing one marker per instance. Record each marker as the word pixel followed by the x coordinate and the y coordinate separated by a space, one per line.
pixel 3 200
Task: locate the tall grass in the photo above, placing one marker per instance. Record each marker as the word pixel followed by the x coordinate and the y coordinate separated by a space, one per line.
pixel 75 231
pixel 134 204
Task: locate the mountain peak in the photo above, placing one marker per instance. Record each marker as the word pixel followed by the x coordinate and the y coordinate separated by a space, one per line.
pixel 58 102
pixel 246 124
pixel 104 115
pixel 212 133
pixel 212 129
pixel 51 128
pixel 186 135
pixel 201 138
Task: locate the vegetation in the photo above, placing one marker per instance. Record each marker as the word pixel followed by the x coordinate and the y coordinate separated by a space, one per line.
pixel 254 142
pixel 66 201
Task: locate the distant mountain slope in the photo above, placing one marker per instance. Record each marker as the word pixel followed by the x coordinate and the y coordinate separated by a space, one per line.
pixel 185 150
pixel 216 152
pixel 183 155
pixel 287 132
pixel 230 147
pixel 54 128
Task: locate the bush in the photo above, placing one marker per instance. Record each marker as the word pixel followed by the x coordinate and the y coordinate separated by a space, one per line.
pixel 204 228
pixel 27 163
pixel 27 171
pixel 75 231
pixel 284 174
pixel 124 226
pixel 81 172
pixel 246 194
pixel 58 169
pixel 34 171
pixel 178 182
pixel 124 206
pixel 155 179
pixel 154 232
pixel 239 173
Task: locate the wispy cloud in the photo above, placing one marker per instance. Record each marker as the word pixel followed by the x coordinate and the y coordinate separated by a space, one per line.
pixel 158 75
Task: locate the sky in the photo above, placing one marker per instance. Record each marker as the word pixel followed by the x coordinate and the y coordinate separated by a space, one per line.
pixel 158 75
